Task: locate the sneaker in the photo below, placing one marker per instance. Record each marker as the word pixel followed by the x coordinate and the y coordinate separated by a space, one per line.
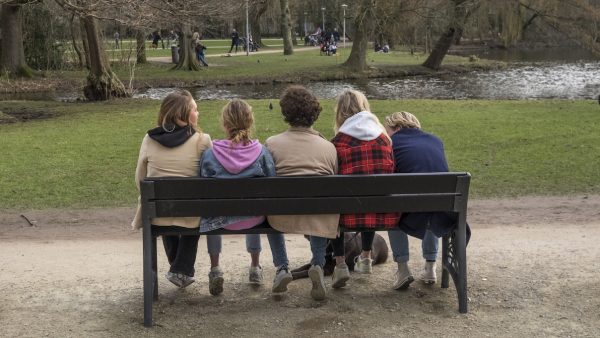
pixel 341 274
pixel 174 278
pixel 255 275
pixel 318 283
pixel 363 265
pixel 215 281
pixel 179 279
pixel 283 277
pixel 403 277
pixel 428 276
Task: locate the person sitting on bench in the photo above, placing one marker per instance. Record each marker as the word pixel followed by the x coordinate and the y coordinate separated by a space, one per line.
pixel 416 151
pixel 240 156
pixel 303 151
pixel 363 147
pixel 172 148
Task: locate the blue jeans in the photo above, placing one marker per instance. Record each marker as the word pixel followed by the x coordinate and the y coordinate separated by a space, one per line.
pixel 276 242
pixel 399 244
pixel 201 59
pixel 318 245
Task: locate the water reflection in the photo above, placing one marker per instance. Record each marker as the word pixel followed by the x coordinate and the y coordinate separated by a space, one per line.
pixel 541 81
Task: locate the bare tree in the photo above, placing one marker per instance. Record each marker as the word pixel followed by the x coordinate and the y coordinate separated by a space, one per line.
pixel 257 10
pixel 12 55
pixel 286 28
pixel 460 12
pixel 140 41
pixel 357 60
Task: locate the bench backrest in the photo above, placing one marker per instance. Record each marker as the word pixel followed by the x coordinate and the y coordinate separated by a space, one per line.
pixel 194 196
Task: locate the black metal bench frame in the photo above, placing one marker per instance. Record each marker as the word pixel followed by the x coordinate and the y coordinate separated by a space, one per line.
pixel 337 194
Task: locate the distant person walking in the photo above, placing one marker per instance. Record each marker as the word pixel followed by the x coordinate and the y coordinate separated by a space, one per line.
pixel 117 38
pixel 235 39
pixel 199 48
pixel 155 38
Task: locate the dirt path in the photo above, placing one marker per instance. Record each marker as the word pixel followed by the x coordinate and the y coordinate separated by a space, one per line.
pixel 167 59
pixel 533 271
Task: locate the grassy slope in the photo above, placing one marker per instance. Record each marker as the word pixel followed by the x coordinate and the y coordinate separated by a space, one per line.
pixel 306 64
pixel 86 156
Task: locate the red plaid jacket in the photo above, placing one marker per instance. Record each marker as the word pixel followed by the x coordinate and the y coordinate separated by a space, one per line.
pixel 357 157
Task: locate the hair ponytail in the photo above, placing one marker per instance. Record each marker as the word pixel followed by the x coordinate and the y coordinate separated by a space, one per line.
pixel 237 120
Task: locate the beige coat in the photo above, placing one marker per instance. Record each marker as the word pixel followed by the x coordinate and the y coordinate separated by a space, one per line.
pixel 304 152
pixel 156 160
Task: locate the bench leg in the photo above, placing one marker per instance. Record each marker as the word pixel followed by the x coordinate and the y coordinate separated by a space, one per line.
pixel 454 260
pixel 445 273
pixel 154 269
pixel 148 276
pixel 461 258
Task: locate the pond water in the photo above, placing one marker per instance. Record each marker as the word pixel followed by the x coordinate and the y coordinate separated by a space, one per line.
pixel 566 73
pixel 578 80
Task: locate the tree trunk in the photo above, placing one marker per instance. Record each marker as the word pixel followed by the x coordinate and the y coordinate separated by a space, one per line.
pixel 256 12
pixel 12 54
pixel 140 39
pixel 75 34
pixel 286 28
pixel 357 61
pixel 454 30
pixel 187 54
pixel 102 83
pixel 84 42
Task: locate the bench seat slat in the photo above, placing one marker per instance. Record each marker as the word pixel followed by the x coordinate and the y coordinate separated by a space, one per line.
pixel 302 186
pixel 304 205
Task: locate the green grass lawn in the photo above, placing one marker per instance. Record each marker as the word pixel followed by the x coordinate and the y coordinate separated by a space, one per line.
pixel 302 65
pixel 213 47
pixel 86 156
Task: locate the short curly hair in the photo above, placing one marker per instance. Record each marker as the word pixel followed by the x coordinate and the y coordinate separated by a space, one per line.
pixel 300 108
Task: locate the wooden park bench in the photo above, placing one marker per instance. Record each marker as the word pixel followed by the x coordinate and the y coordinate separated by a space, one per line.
pixel 193 196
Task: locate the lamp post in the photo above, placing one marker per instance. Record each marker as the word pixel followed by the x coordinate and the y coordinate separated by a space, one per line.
pixel 247 31
pixel 323 15
pixel 344 6
pixel 305 30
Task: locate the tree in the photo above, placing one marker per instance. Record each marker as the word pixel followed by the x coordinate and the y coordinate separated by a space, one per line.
pixel 187 54
pixel 140 39
pixel 12 54
pixel 75 36
pixel 257 10
pixel 102 83
pixel 460 10
pixel 357 60
pixel 286 28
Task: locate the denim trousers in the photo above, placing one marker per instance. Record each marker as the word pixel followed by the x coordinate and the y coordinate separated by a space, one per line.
pixel 181 253
pixel 399 244
pixel 318 246
pixel 253 245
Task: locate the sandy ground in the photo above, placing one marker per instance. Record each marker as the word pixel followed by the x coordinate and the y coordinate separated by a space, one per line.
pixel 241 52
pixel 533 271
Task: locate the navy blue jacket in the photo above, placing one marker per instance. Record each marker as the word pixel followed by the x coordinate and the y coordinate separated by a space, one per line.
pixel 416 151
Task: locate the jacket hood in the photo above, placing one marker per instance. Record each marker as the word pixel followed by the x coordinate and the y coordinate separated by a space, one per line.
pixel 173 138
pixel 364 126
pixel 235 157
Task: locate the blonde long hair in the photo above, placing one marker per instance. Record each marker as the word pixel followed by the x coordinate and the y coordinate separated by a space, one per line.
pixel 176 107
pixel 403 119
pixel 237 120
pixel 349 103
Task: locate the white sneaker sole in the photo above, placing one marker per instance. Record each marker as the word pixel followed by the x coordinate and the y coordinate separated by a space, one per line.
pixel 364 271
pixel 428 281
pixel 255 281
pixel 281 285
pixel 405 283
pixel 318 285
pixel 340 282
